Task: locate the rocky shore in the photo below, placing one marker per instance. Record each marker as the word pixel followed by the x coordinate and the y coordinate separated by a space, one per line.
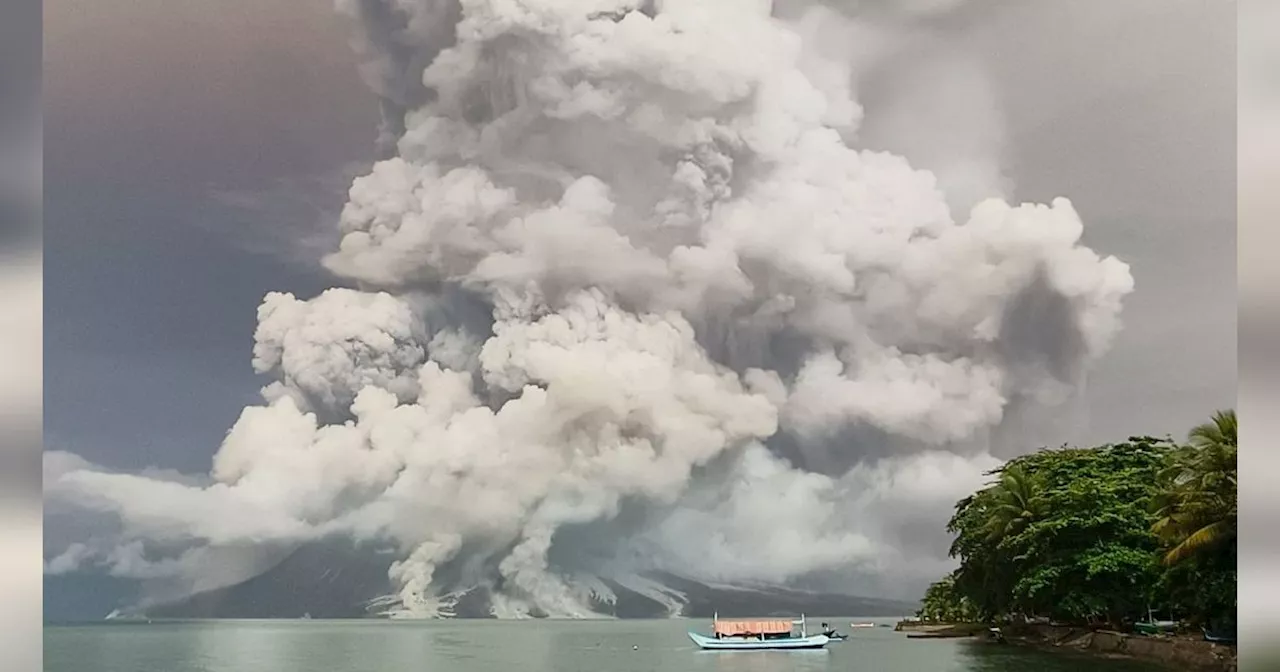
pixel 1176 652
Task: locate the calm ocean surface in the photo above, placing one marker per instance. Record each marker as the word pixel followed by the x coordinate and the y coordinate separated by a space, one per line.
pixel 492 646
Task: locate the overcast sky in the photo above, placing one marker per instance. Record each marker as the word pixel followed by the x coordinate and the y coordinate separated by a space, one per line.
pixel 195 154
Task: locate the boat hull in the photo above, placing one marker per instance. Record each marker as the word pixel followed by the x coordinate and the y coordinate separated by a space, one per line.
pixel 1219 637
pixel 736 644
pixel 1154 627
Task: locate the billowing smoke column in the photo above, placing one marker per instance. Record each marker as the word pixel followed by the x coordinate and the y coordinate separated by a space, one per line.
pixel 632 300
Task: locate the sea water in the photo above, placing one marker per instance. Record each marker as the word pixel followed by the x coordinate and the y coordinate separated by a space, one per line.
pixel 516 646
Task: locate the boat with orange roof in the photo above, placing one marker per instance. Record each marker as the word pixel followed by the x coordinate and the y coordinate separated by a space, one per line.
pixel 758 634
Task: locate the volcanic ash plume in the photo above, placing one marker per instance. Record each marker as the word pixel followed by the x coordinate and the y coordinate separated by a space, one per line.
pixel 632 300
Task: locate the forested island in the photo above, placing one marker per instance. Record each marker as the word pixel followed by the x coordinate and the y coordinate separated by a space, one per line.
pixel 1101 537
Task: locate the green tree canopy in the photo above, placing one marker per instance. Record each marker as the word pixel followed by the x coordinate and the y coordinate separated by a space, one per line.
pixel 1064 533
pixel 1196 506
pixel 1196 521
pixel 942 602
pixel 1100 534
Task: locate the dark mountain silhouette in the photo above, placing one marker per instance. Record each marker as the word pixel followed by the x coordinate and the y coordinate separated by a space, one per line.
pixel 336 579
pixel 85 597
pixel 332 579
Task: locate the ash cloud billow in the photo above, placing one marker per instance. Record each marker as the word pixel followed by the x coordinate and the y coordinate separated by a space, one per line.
pixel 629 301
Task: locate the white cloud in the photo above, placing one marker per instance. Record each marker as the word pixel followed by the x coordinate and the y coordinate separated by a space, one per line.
pixel 687 261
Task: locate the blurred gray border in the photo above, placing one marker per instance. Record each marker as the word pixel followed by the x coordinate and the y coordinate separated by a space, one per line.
pixel 20 127
pixel 1258 350
pixel 20 334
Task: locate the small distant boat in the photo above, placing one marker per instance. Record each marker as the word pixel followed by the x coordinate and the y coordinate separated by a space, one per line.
pixel 862 625
pixel 756 635
pixel 831 633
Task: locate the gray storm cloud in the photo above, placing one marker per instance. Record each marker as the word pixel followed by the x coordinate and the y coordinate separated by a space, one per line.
pixel 632 298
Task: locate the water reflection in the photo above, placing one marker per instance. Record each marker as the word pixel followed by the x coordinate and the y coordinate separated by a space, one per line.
pixel 767 661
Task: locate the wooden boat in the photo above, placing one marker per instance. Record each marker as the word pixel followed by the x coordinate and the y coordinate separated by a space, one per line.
pixel 757 635
pixel 1154 627
pixel 940 634
pixel 1219 636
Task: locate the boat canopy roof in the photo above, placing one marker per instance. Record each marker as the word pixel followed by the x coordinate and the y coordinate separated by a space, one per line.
pixel 754 627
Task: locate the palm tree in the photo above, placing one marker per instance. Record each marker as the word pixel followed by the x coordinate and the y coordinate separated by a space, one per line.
pixel 1197 508
pixel 1015 503
pixel 1220 431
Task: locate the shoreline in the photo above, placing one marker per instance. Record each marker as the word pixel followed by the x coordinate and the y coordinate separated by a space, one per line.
pixel 1181 653
pixel 931 630
pixel 1178 653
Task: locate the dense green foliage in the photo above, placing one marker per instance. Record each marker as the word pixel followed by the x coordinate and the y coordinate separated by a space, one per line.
pixel 1197 502
pixel 942 603
pixel 1100 535
pixel 1196 510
